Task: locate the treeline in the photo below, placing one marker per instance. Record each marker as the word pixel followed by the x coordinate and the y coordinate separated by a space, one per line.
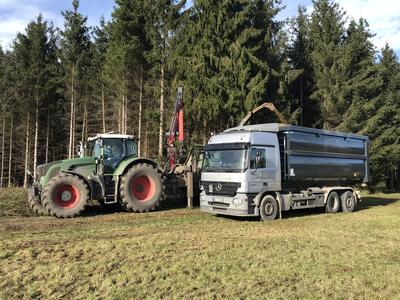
pixel 60 86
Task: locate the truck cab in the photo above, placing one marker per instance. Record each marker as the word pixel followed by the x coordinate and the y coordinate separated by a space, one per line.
pixel 236 167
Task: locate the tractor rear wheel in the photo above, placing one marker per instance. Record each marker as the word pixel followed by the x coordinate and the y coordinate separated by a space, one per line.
pixel 36 206
pixel 141 188
pixel 65 196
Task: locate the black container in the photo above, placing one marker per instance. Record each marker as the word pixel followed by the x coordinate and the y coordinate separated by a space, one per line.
pixel 319 157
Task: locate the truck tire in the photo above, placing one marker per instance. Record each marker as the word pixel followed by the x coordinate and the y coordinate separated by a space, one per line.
pixel 268 208
pixel 36 206
pixel 348 201
pixel 141 188
pixel 332 203
pixel 65 196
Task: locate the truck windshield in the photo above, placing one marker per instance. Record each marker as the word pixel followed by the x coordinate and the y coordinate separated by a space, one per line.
pixel 227 160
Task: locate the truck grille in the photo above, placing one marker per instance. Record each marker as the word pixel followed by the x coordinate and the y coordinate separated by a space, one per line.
pixel 220 188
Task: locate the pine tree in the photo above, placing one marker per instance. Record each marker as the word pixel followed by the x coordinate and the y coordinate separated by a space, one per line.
pixel 100 47
pixel 301 87
pixel 75 46
pixel 163 17
pixel 362 80
pixel 125 56
pixel 327 36
pixel 229 56
pixel 383 125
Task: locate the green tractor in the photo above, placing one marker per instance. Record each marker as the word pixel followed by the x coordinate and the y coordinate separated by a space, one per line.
pixel 108 170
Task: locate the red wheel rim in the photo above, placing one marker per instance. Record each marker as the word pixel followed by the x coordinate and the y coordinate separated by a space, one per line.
pixel 67 196
pixel 143 188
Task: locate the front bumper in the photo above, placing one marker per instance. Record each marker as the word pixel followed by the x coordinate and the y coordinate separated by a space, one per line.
pixel 33 189
pixel 34 193
pixel 239 205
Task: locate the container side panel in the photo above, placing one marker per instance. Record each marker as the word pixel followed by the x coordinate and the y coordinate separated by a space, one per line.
pixel 301 141
pixel 311 168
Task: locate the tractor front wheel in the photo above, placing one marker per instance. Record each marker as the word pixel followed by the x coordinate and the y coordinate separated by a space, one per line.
pixel 65 196
pixel 36 206
pixel 141 188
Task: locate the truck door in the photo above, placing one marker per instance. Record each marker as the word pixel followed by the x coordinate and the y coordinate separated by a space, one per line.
pixel 258 170
pixel 272 174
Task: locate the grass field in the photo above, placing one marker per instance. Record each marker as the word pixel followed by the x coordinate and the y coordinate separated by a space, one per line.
pixel 182 253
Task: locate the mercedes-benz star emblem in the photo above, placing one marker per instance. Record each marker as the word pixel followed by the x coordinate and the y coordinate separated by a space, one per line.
pixel 218 188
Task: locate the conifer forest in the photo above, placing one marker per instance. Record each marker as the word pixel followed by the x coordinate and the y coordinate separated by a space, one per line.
pixel 320 69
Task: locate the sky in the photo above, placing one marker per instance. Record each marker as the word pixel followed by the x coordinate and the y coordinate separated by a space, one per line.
pixel 383 16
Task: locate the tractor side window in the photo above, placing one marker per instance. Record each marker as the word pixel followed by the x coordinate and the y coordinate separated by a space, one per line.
pixel 94 148
pixel 130 148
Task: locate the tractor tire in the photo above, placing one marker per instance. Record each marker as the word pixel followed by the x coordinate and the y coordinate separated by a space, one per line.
pixel 348 201
pixel 65 196
pixel 141 188
pixel 268 208
pixel 36 206
pixel 332 203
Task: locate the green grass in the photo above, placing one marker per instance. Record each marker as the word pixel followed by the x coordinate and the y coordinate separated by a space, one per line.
pixel 183 253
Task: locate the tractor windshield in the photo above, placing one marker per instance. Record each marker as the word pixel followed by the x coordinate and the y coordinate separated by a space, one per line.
pixel 114 151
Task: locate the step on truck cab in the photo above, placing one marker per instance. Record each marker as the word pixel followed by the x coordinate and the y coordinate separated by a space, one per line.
pixel 262 170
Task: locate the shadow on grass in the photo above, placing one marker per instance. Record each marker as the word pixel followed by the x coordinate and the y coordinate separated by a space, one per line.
pixel 370 202
pixel 97 209
pixel 366 203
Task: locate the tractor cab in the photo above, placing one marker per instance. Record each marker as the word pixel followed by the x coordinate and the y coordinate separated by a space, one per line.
pixel 110 150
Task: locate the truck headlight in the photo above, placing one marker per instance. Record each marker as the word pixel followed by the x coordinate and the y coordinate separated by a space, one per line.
pixel 237 201
pixel 202 198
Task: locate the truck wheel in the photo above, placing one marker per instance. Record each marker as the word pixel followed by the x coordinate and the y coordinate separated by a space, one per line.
pixel 65 196
pixel 348 201
pixel 141 188
pixel 268 208
pixel 36 206
pixel 332 203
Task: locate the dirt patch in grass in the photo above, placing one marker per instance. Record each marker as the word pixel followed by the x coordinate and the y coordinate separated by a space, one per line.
pixel 183 253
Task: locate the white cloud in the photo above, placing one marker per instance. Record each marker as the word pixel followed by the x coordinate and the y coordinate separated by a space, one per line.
pixel 16 14
pixel 383 17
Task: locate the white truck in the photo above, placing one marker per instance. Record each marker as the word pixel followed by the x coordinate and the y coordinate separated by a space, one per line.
pixel 262 170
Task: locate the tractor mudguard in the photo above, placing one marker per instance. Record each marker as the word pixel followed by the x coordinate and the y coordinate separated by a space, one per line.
pixel 126 164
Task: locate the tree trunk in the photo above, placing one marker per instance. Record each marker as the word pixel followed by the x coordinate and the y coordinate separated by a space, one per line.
pixel 47 135
pixel 162 90
pixel 72 117
pixel 3 149
pixel 103 102
pixel 205 133
pixel 10 154
pixel 301 102
pixel 27 152
pixel 119 120
pixel 146 140
pixel 35 150
pixel 84 124
pixel 140 112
